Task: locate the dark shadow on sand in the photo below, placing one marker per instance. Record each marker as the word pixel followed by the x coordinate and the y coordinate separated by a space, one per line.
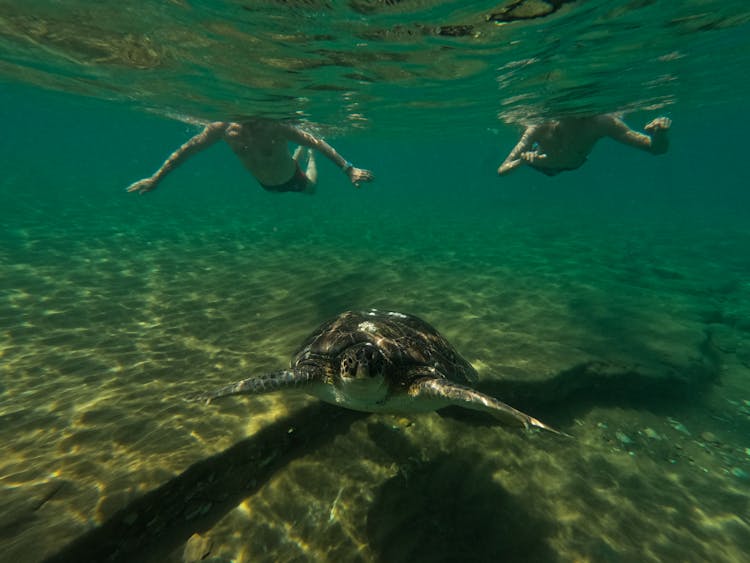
pixel 574 391
pixel 154 525
pixel 449 509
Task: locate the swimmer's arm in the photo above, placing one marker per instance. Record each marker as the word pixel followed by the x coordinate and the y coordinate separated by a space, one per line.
pixel 210 134
pixel 514 159
pixel 356 175
pixel 656 142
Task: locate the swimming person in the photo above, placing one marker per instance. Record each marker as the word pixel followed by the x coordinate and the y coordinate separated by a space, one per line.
pixel 261 146
pixel 564 144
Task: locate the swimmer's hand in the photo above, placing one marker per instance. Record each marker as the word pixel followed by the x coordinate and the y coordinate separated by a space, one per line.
pixel 657 130
pixel 526 157
pixel 142 186
pixel 658 125
pixel 357 175
pixel 508 166
pixel 532 157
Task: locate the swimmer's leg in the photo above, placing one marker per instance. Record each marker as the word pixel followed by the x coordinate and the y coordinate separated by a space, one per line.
pixel 312 168
pixel 297 154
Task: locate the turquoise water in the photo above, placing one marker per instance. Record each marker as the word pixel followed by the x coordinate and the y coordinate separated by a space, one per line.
pixel 612 302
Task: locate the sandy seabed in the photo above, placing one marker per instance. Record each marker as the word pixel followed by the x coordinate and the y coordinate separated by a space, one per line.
pixel 637 346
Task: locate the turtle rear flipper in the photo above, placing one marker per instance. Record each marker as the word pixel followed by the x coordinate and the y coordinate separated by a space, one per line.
pixel 462 396
pixel 267 383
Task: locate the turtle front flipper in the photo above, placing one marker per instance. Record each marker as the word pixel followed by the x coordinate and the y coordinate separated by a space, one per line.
pixel 462 396
pixel 267 383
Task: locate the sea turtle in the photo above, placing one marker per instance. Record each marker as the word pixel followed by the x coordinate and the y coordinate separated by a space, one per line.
pixel 377 361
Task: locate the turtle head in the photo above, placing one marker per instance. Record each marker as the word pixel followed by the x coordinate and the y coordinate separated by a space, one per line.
pixel 362 372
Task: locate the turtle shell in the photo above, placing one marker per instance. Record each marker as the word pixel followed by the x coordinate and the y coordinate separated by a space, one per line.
pixel 411 347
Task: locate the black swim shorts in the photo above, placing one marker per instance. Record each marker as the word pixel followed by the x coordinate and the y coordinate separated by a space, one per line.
pixel 297 183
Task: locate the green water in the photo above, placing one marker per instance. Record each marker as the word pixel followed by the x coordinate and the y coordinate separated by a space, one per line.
pixel 612 302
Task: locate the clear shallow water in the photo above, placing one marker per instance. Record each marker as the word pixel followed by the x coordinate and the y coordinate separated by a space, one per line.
pixel 611 302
